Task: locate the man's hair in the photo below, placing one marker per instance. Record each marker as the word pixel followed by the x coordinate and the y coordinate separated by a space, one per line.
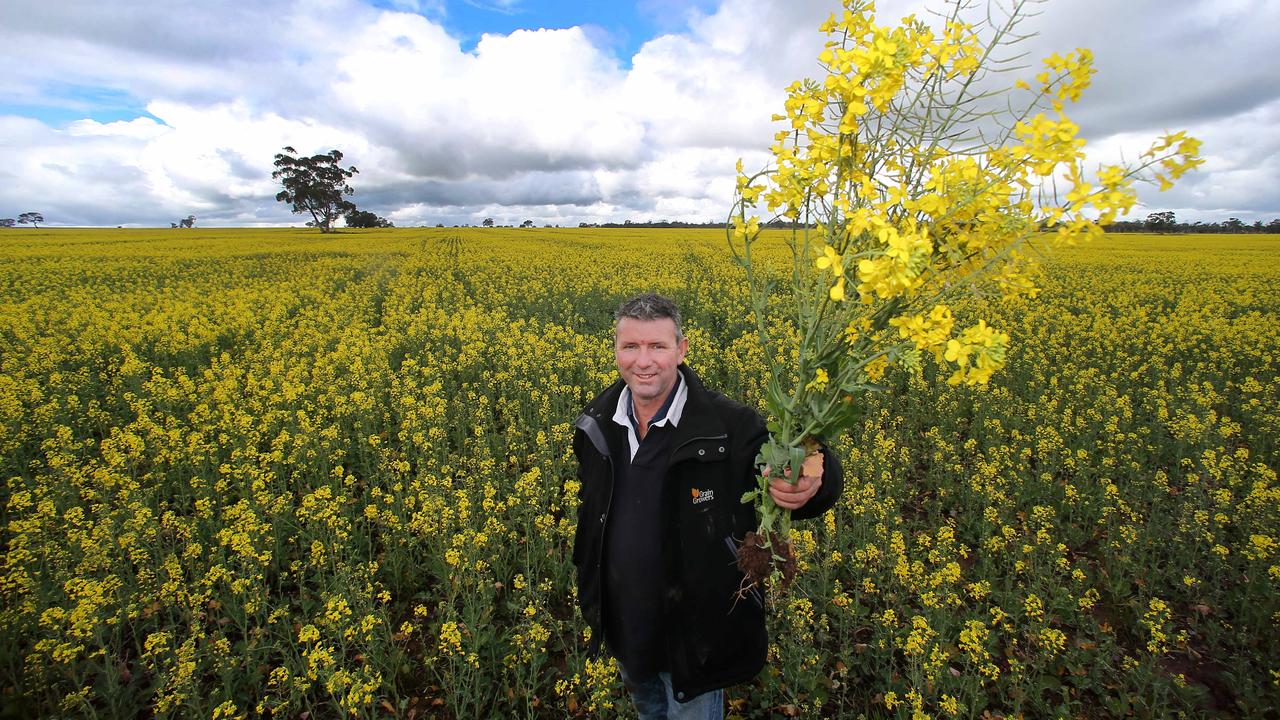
pixel 649 306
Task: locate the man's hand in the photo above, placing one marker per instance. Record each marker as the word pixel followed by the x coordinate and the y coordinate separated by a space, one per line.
pixel 793 497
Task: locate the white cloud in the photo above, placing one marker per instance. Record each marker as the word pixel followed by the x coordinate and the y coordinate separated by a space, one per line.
pixel 1241 173
pixel 691 95
pixel 532 100
pixel 142 128
pixel 43 165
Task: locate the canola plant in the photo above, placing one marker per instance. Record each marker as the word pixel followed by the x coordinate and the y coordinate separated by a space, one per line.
pixel 255 473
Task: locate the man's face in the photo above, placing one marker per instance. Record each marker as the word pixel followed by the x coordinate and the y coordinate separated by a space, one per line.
pixel 647 353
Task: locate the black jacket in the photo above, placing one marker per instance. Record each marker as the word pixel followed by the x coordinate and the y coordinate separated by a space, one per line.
pixel 713 639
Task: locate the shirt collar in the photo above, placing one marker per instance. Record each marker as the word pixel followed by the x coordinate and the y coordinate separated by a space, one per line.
pixel 670 412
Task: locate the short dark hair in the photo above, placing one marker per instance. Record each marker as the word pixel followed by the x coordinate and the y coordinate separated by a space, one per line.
pixel 649 306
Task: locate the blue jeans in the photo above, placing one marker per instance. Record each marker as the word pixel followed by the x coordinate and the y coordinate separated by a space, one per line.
pixel 654 700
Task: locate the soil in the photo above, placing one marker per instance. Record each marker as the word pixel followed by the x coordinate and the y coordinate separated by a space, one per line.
pixel 758 563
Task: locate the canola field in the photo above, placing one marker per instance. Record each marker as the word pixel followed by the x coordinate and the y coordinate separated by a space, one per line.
pixel 269 473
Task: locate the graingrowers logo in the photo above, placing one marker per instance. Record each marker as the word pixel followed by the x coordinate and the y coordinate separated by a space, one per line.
pixel 701 496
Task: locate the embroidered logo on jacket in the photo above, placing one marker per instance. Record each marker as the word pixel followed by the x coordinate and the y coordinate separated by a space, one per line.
pixel 701 496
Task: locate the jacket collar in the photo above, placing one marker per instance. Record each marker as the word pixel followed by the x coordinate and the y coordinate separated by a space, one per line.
pixel 699 419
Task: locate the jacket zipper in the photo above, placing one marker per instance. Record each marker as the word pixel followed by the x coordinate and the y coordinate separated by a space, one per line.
pixel 604 519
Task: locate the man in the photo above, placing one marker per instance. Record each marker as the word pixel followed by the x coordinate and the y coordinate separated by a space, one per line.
pixel 663 463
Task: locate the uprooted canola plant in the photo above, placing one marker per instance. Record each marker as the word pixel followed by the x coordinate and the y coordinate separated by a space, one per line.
pixel 270 472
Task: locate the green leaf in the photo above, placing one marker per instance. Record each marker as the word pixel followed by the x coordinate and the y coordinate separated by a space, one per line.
pixel 797 459
pixel 774 455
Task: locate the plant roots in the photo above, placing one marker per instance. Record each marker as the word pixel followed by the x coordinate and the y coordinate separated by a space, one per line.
pixel 761 560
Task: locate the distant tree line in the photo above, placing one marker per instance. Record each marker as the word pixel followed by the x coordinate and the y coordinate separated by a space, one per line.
pixel 1166 221
pixel 653 224
pixel 775 224
pixel 1159 222
pixel 364 219
pixel 317 184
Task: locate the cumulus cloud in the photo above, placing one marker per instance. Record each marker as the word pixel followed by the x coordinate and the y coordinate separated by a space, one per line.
pixel 545 125
pixel 142 128
pixel 43 165
pixel 1166 63
pixel 539 100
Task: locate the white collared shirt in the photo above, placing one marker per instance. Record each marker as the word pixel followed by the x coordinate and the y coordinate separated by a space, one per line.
pixel 620 414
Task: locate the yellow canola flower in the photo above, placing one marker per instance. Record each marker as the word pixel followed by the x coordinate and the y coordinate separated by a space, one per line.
pixel 833 261
pixel 308 634
pixel 977 353
pixel 819 381
pixel 1075 70
pixel 898 270
pixel 926 331
pixel 854 109
pixel 750 193
pixel 745 231
pixel 1048 142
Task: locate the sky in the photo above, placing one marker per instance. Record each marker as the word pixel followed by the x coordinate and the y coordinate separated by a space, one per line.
pixel 141 112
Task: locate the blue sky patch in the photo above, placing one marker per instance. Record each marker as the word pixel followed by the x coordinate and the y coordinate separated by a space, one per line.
pixel 65 103
pixel 618 27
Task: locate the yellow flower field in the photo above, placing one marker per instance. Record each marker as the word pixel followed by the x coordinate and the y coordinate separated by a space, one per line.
pixel 267 472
